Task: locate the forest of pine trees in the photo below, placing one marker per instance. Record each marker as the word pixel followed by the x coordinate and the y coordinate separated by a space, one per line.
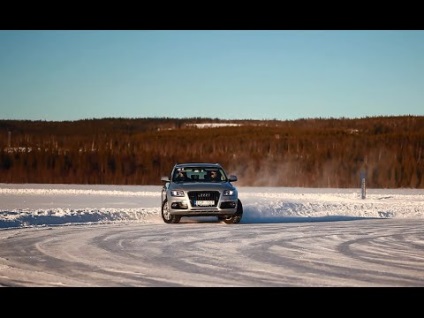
pixel 334 153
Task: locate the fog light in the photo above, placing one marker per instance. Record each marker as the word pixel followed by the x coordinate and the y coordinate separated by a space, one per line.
pixel 228 205
pixel 179 205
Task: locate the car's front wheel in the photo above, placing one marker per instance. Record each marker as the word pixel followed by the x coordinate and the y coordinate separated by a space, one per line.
pixel 236 218
pixel 168 217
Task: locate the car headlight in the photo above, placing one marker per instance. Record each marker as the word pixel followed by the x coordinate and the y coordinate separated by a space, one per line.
pixel 228 192
pixel 177 193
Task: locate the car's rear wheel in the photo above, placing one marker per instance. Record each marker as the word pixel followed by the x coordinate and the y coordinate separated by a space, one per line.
pixel 168 217
pixel 235 218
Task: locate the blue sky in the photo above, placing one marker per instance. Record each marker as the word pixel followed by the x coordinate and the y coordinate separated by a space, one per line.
pixel 59 75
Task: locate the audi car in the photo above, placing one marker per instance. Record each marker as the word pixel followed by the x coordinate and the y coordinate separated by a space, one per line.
pixel 200 189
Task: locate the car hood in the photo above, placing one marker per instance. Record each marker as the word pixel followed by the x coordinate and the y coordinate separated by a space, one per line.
pixel 199 186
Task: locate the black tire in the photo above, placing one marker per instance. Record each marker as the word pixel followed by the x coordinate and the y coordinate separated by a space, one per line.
pixel 236 218
pixel 166 216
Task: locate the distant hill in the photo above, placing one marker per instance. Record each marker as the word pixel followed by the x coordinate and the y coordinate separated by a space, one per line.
pixel 318 152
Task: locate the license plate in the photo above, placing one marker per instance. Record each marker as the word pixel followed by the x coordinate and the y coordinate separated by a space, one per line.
pixel 205 203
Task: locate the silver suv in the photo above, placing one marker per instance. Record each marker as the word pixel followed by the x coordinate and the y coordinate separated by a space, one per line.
pixel 200 189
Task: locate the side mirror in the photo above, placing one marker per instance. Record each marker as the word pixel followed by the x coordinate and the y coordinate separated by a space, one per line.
pixel 232 178
pixel 165 179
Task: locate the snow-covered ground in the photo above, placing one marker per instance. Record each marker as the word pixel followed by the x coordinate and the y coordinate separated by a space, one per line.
pixel 81 235
pixel 27 205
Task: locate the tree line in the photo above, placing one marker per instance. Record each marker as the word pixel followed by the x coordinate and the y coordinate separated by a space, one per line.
pixel 317 152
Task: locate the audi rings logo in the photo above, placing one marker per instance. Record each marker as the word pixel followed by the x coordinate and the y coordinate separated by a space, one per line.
pixel 204 195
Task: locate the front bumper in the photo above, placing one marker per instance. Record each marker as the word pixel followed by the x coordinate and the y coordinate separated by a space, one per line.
pixel 190 205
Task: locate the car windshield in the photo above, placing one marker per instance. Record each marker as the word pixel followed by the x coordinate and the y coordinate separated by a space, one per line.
pixel 199 174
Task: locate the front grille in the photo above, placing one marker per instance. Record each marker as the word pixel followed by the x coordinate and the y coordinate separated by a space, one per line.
pixel 201 198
